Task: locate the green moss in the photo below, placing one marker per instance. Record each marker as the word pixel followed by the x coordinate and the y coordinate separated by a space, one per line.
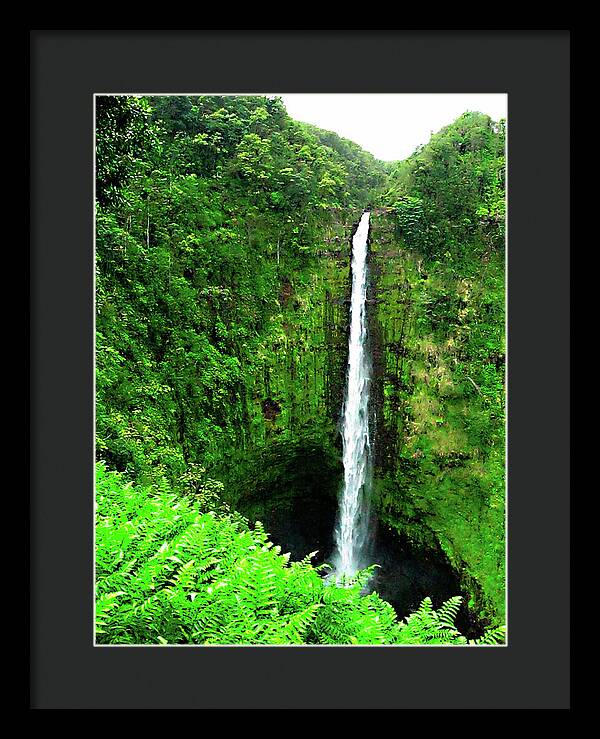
pixel 296 382
pixel 439 395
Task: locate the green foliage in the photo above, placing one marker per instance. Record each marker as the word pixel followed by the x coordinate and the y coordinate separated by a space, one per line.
pixel 411 220
pixel 174 569
pixel 123 132
pixel 443 318
pixel 450 194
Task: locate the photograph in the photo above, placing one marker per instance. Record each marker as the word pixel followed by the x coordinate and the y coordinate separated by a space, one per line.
pixel 300 363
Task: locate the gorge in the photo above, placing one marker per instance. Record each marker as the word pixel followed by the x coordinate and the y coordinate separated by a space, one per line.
pixel 284 322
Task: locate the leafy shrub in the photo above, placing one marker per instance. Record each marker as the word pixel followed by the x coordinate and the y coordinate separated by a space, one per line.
pixel 184 570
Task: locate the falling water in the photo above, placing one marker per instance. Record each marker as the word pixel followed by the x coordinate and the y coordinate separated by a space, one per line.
pixel 352 525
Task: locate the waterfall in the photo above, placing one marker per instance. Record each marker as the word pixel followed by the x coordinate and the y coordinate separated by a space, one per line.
pixel 352 525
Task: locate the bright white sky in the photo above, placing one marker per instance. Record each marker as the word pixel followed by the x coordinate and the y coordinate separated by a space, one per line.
pixel 391 125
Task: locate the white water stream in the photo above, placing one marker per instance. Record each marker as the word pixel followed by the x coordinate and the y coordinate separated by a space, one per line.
pixel 352 526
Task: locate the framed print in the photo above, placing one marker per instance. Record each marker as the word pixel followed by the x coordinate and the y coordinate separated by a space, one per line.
pixel 290 403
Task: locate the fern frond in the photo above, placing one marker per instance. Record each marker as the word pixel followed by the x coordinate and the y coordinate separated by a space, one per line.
pixel 166 572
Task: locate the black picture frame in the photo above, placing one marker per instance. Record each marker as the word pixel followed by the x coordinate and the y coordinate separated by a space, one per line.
pixel 67 68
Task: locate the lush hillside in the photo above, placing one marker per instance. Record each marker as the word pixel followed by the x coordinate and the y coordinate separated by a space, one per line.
pixel 439 264
pixel 449 196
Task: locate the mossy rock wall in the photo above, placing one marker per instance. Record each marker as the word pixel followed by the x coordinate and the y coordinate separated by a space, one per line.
pixel 439 459
pixel 291 448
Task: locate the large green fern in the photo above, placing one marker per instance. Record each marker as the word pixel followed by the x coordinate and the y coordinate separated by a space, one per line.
pixel 184 570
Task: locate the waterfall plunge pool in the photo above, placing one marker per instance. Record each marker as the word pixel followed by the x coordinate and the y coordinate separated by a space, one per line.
pixel 407 573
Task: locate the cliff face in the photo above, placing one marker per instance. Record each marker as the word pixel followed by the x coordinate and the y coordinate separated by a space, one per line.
pixel 290 461
pixel 304 353
pixel 435 482
pixel 439 467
